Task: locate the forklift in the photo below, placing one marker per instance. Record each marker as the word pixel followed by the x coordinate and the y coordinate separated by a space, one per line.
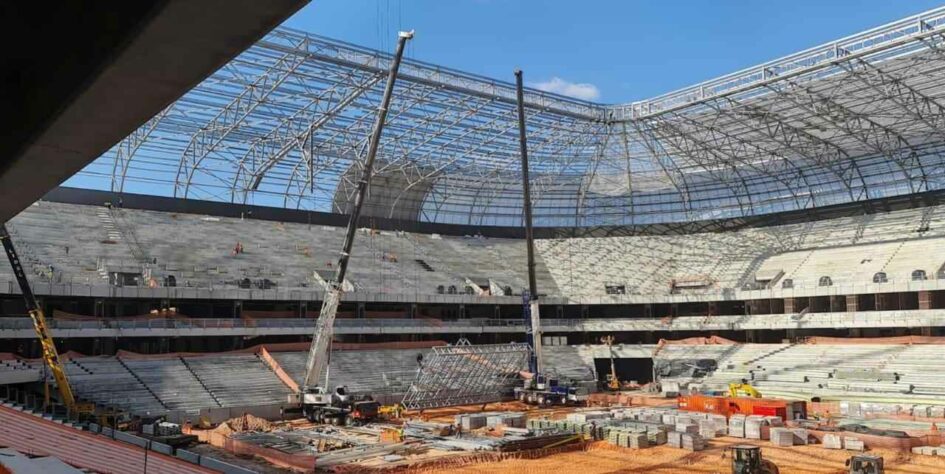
pixel 865 464
pixel 746 459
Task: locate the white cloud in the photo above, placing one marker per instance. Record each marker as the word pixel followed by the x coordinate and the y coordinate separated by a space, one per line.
pixel 557 85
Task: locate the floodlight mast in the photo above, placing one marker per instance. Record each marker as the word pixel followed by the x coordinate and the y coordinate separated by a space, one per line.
pixel 320 351
pixel 531 299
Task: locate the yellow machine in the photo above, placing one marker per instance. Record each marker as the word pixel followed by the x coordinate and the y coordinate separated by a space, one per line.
pixel 613 382
pixel 743 389
pixel 390 411
pixel 50 354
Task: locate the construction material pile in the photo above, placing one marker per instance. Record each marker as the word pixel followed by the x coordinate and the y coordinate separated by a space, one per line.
pixel 474 421
pixel 639 427
pixel 243 423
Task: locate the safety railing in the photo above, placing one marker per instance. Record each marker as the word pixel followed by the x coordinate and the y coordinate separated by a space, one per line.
pixel 901 318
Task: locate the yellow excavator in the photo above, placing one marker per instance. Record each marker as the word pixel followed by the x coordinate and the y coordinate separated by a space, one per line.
pixel 743 389
pixel 74 409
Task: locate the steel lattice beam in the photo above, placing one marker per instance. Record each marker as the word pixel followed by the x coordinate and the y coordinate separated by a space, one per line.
pixel 466 374
pixel 285 122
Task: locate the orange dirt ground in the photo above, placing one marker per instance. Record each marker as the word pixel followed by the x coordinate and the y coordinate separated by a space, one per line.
pixel 603 458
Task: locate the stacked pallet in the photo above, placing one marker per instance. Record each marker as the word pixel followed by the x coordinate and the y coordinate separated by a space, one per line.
pixel 782 437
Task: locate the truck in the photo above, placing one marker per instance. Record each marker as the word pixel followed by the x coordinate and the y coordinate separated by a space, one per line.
pixel 341 408
pixel 546 392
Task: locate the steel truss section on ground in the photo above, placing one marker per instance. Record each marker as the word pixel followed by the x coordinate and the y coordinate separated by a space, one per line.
pixel 466 374
pixel 286 122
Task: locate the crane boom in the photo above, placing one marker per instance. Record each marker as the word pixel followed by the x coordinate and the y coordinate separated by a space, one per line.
pixel 320 350
pixel 50 353
pixel 531 300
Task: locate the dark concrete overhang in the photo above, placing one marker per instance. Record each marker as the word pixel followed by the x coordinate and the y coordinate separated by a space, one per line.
pixel 77 77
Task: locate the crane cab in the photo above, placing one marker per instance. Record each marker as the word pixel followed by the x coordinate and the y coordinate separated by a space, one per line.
pixel 865 464
pixel 746 459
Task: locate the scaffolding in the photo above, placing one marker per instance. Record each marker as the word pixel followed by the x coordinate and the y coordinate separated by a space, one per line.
pixel 466 374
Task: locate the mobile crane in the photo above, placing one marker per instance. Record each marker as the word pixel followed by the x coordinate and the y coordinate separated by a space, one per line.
pixel 320 403
pixel 539 389
pixel 51 358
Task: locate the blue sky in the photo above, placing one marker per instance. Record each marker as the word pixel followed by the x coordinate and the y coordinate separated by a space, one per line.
pixel 622 50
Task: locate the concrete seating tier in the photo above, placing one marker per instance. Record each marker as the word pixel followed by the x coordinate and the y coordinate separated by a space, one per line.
pixel 82 244
pixel 369 371
pixel 173 383
pixel 238 380
pixel 105 381
pixel 870 370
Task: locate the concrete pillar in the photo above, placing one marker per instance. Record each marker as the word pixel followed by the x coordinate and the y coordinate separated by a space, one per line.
pixel 360 310
pixel 882 301
pixel 497 312
pixel 413 311
pixel 925 299
pixel 789 305
pixel 303 309
pixel 237 309
pixel 838 303
pixel 462 311
pixel 853 303
pixel 648 310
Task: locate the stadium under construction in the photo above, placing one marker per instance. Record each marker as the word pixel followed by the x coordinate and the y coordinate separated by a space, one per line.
pixel 324 257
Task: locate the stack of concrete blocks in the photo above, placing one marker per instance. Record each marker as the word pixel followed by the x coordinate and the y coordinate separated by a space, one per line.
pixel 782 437
pixel 638 440
pixel 853 444
pixel 471 422
pixel 651 417
pixel 712 426
pixel 690 428
pixel 832 441
pixel 627 437
pixel 929 450
pixel 588 416
pixel 512 420
pixel 801 437
pixel 692 442
pixel 656 437
pixel 674 439
pixel 736 426
pixel 920 411
pixel 669 419
pixel 753 425
pixel 937 411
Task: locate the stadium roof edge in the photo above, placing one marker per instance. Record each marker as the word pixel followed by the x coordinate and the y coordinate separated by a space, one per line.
pixel 69 195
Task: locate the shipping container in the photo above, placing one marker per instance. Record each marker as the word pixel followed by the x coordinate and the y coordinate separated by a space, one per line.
pixel 727 406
